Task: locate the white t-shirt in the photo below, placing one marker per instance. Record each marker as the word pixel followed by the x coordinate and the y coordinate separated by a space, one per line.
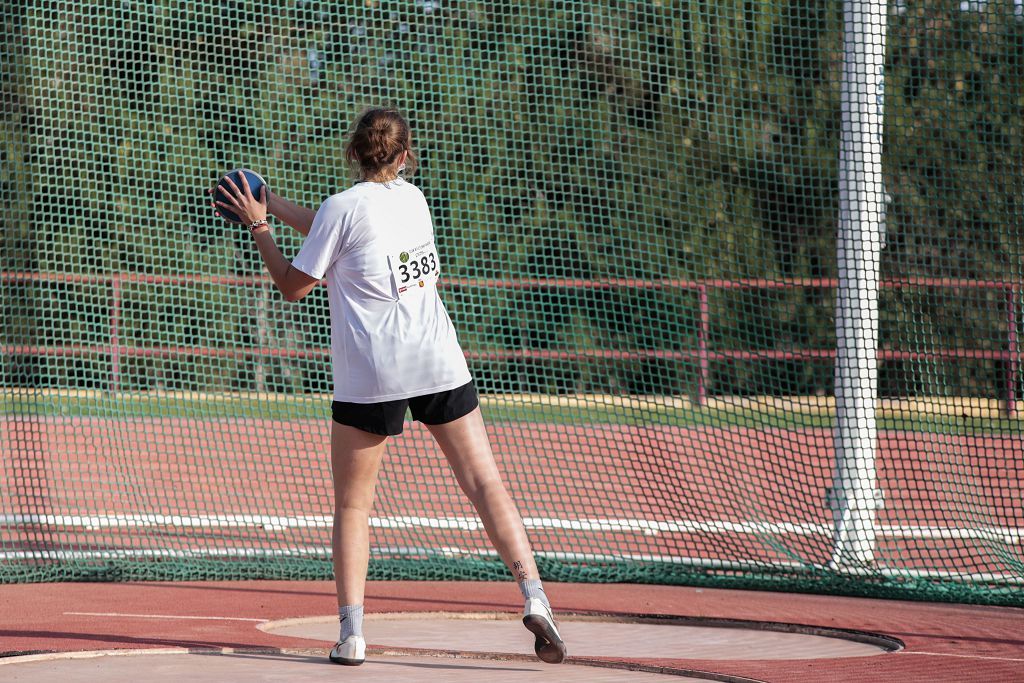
pixel 391 337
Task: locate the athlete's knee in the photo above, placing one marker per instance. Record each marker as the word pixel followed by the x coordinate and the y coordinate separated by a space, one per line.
pixel 485 491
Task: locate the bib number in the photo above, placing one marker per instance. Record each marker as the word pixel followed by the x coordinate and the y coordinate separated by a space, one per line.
pixel 413 268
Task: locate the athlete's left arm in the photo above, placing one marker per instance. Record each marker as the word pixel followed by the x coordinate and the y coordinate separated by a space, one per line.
pixel 292 282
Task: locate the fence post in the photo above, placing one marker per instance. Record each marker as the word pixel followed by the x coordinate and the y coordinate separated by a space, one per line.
pixel 861 232
pixel 702 345
pixel 115 325
pixel 1013 346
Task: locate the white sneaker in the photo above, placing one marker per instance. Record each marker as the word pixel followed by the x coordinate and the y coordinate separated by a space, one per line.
pixel 541 622
pixel 351 651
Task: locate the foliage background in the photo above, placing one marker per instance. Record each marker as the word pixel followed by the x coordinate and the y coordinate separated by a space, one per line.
pixel 679 140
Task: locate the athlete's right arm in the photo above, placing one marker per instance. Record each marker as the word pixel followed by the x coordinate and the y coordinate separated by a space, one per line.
pixel 299 217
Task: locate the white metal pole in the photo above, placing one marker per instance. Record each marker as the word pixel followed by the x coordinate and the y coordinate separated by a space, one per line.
pixel 855 498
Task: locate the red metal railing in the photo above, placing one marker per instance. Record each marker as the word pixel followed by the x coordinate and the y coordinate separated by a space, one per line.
pixel 703 354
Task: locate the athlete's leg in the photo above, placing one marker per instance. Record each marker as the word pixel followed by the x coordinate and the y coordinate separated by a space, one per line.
pixel 465 444
pixel 355 461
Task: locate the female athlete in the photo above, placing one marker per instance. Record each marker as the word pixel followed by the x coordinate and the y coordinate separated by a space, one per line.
pixel 393 347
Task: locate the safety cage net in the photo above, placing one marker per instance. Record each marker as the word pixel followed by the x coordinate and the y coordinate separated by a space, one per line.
pixel 740 284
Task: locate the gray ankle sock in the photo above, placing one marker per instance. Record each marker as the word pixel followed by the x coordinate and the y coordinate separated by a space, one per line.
pixel 351 617
pixel 532 588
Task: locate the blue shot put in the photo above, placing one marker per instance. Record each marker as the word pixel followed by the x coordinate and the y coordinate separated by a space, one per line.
pixel 222 194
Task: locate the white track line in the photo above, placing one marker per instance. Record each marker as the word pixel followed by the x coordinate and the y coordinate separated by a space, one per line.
pixel 93 654
pixel 158 616
pixel 1009 535
pixel 144 554
pixel 760 566
pixel 947 654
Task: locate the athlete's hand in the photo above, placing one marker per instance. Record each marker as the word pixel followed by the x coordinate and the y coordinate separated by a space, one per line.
pixel 241 202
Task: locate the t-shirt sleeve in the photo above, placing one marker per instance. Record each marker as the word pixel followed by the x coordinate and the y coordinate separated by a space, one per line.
pixel 325 241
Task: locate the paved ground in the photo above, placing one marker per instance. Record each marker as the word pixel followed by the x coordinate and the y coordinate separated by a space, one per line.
pixel 623 638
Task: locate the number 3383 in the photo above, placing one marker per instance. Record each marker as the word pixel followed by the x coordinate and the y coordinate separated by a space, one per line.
pixel 417 268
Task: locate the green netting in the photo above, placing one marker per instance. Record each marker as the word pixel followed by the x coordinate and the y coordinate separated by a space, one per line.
pixel 638 207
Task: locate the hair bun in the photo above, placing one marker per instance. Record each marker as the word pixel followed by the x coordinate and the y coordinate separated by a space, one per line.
pixel 378 138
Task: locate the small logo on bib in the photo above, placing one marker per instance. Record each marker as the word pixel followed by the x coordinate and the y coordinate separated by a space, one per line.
pixel 404 257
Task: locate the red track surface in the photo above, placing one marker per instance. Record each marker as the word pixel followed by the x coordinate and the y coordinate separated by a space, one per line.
pixel 207 468
pixel 212 468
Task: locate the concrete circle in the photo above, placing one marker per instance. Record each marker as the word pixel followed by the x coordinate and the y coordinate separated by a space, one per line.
pixel 590 636
pixel 161 666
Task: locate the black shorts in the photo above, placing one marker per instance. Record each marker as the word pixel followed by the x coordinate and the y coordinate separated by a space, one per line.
pixel 387 418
